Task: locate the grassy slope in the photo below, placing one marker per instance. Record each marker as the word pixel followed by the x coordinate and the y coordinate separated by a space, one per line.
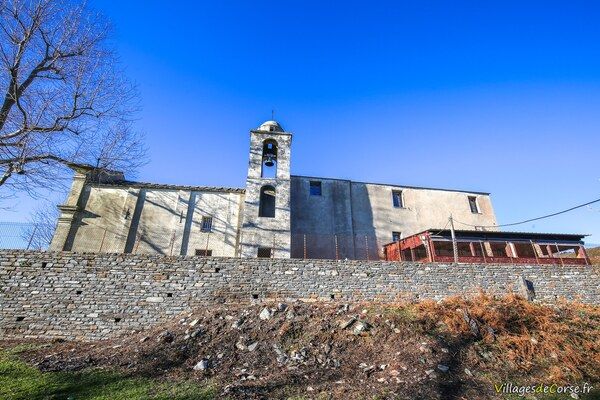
pixel 21 381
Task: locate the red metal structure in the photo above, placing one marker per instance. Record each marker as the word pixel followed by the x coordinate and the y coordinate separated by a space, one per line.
pixel 489 247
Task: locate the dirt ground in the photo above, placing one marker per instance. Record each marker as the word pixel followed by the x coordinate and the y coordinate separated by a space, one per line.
pixel 456 349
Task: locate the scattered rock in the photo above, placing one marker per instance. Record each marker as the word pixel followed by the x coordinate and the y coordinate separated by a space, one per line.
pixel 240 345
pixel 165 337
pixel 360 327
pixel 281 307
pixel 265 314
pixel 366 368
pixel 431 373
pixel 491 333
pixel 443 368
pixel 281 356
pixel 237 324
pixel 194 322
pixel 468 372
pixel 201 365
pixel 144 339
pixel 196 333
pixel 252 346
pixel 347 323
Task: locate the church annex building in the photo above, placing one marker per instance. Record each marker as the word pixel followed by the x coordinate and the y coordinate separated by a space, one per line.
pixel 276 215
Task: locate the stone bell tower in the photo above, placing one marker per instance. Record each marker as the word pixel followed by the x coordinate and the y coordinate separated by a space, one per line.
pixel 266 218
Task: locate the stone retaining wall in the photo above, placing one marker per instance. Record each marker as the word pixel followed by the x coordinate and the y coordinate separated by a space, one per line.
pixel 93 296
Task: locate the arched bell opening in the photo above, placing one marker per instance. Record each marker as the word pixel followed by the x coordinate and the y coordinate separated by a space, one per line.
pixel 269 159
pixel 266 206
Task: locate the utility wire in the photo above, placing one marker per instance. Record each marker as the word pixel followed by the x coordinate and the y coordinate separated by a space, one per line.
pixel 441 230
pixel 532 219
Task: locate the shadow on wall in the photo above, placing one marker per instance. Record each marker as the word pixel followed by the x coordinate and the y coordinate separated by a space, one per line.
pixel 335 224
pixel 152 227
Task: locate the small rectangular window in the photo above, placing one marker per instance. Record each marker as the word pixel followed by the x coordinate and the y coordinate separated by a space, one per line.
pixel 203 252
pixel 396 236
pixel 315 188
pixel 397 198
pixel 206 224
pixel 264 252
pixel 473 204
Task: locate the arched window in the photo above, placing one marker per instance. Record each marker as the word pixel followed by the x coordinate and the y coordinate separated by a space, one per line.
pixel 266 207
pixel 269 159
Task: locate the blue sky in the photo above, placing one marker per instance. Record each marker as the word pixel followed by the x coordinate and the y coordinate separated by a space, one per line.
pixel 501 98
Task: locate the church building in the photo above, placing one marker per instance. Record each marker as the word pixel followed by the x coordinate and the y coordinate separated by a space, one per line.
pixel 276 214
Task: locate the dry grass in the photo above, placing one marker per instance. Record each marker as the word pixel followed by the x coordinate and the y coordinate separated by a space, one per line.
pixel 563 341
pixel 594 255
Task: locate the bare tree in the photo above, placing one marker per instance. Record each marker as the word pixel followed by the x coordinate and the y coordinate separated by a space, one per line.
pixel 38 233
pixel 65 99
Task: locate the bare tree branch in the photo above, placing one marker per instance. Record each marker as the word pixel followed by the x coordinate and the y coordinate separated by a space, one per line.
pixel 63 99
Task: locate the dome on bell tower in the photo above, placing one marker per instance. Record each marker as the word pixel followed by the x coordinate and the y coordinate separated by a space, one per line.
pixel 270 126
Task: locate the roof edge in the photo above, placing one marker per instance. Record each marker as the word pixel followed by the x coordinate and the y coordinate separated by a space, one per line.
pixel 149 185
pixel 393 185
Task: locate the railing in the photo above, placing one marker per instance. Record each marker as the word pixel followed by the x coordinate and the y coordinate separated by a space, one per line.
pixel 480 252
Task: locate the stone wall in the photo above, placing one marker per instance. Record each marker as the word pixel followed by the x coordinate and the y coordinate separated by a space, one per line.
pixel 91 296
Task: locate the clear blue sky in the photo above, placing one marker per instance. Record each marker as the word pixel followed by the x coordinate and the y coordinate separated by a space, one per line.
pixel 502 98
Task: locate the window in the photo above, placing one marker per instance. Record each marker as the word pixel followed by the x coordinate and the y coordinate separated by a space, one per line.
pixel 266 208
pixel 203 253
pixel 315 188
pixel 206 224
pixel 397 198
pixel 473 204
pixel 396 236
pixel 264 252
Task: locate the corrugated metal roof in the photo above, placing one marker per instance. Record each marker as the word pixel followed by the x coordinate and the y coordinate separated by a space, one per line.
pixel 508 234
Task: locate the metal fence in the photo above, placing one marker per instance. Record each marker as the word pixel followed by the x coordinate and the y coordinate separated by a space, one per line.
pixel 174 241
pixel 336 247
pixel 25 235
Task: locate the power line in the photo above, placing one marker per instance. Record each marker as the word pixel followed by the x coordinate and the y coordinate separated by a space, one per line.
pixel 441 230
pixel 532 219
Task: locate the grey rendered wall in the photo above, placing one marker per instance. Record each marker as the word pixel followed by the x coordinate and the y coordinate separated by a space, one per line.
pixel 362 216
pixel 155 221
pixel 317 219
pixel 422 209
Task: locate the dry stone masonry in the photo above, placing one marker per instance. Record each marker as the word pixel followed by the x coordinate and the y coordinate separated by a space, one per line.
pixel 94 296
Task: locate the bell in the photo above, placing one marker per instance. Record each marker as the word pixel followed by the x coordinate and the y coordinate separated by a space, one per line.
pixel 269 160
